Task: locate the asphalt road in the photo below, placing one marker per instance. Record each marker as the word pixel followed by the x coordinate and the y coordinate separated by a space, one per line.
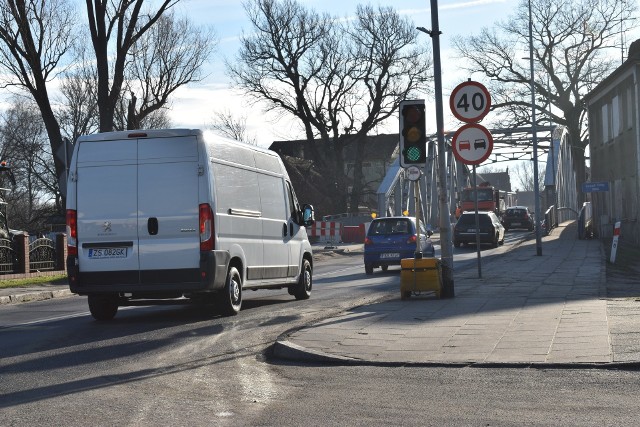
pixel 178 365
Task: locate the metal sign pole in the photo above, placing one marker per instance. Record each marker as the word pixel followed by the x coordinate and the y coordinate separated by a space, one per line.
pixel 475 196
pixel 416 187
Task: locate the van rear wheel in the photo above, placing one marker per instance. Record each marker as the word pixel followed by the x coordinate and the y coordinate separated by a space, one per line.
pixel 303 287
pixel 102 307
pixel 230 299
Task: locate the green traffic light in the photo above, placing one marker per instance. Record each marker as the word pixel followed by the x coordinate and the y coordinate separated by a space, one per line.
pixel 413 154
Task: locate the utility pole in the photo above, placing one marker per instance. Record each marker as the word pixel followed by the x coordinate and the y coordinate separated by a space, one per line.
pixel 446 242
pixel 534 132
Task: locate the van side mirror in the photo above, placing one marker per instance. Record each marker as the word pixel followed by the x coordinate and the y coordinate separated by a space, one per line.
pixel 308 215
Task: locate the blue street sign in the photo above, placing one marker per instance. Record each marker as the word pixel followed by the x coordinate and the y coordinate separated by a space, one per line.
pixel 590 187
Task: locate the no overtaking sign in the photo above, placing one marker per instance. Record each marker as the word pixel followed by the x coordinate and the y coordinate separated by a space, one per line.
pixel 472 144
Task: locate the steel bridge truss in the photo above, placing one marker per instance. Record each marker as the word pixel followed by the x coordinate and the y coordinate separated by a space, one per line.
pixel 396 193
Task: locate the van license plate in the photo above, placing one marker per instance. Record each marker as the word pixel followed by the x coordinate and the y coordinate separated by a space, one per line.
pixel 390 255
pixel 107 253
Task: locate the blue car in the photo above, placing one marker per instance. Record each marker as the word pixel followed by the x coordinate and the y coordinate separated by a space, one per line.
pixel 391 239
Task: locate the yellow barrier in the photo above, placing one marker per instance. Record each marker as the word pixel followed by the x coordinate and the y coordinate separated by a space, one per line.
pixel 420 275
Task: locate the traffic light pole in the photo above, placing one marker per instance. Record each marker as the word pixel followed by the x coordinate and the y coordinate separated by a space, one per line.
pixel 446 242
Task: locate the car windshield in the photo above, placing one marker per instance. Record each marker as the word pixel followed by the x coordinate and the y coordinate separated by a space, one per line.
pixel 390 226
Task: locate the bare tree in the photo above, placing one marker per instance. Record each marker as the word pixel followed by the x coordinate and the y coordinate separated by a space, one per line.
pixel 523 172
pixel 232 126
pixel 572 42
pixel 35 37
pixel 25 147
pixel 119 23
pixel 78 112
pixel 339 78
pixel 166 57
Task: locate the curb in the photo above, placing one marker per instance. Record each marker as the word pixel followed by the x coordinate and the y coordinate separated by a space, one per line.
pixel 289 351
pixel 286 350
pixel 35 296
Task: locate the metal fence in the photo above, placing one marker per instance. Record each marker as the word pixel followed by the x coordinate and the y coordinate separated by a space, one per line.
pixel 42 254
pixel 8 257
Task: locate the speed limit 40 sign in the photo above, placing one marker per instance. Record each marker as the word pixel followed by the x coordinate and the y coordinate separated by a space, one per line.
pixel 470 102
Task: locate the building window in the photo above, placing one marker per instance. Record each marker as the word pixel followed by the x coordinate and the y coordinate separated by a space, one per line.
pixel 605 123
pixel 629 108
pixel 615 116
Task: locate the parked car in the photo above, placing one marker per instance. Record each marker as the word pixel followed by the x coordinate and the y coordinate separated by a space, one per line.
pixel 491 230
pixel 517 217
pixel 391 239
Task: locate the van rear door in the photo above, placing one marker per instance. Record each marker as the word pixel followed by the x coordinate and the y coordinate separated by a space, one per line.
pixel 107 210
pixel 169 240
pixel 137 210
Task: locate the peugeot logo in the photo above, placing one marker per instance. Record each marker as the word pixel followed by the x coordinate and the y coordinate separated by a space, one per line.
pixel 107 226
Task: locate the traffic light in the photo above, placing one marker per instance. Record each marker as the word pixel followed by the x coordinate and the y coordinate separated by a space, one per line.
pixel 413 136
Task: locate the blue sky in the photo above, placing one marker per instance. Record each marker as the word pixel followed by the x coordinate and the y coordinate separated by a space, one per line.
pixel 194 106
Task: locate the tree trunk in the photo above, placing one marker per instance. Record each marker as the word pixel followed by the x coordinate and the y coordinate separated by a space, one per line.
pixel 55 140
pixel 579 166
pixel 358 177
pixel 132 118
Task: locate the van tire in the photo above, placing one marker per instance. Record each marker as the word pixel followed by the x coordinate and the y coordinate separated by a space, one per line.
pixel 230 299
pixel 303 287
pixel 102 308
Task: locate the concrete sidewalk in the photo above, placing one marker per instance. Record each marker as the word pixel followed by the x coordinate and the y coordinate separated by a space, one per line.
pixel 525 310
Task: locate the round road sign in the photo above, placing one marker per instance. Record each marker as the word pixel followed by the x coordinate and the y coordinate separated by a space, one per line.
pixel 413 173
pixel 470 102
pixel 472 144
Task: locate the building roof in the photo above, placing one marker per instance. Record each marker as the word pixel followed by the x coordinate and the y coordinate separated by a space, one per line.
pixel 377 147
pixel 633 59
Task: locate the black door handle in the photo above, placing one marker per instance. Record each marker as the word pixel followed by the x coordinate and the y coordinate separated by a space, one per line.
pixel 284 230
pixel 152 226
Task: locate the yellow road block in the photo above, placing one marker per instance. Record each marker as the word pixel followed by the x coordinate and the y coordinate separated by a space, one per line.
pixel 420 275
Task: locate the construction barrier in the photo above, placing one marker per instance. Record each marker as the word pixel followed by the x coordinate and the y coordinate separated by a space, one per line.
pixel 322 231
pixel 353 233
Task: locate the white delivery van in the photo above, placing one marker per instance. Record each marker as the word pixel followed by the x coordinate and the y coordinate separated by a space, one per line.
pixel 161 214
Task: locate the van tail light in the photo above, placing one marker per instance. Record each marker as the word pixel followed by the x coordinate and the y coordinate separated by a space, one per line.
pixel 205 215
pixel 368 241
pixel 72 232
pixel 412 239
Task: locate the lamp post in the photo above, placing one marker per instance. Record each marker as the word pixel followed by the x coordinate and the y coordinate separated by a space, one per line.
pixel 534 134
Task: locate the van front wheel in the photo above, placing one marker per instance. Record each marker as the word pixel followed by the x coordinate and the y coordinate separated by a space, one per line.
pixel 102 307
pixel 303 287
pixel 230 299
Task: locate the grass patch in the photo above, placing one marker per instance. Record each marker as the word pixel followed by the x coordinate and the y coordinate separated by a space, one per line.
pixel 20 283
